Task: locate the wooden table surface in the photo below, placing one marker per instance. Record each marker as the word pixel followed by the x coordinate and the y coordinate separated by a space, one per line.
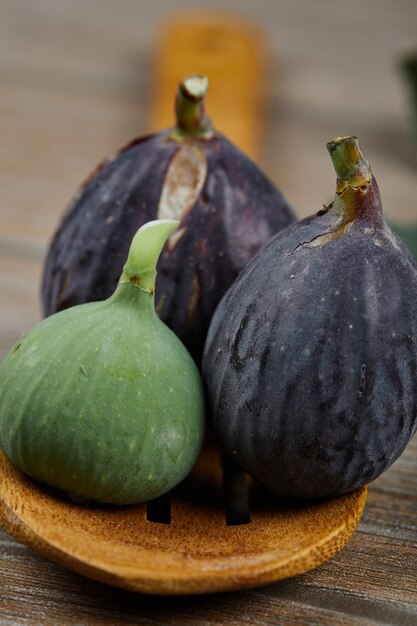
pixel 75 79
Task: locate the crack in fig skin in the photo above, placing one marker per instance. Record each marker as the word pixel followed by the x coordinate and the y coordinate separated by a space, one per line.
pixel 311 358
pixel 352 203
pixel 321 240
pixel 184 181
pixel 234 213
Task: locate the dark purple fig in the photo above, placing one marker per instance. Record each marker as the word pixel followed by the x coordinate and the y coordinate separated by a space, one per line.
pixel 226 206
pixel 311 356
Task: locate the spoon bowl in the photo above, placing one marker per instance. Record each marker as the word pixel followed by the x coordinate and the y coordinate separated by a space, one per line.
pixel 217 531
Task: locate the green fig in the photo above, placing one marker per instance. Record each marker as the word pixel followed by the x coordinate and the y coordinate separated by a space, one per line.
pixel 102 400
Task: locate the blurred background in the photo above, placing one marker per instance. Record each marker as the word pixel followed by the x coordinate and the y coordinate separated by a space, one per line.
pixel 79 79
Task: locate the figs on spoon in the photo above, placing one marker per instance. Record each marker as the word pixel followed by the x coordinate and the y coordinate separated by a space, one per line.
pixel 226 206
pixel 103 400
pixel 311 357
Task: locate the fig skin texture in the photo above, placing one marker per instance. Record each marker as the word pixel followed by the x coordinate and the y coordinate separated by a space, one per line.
pixel 226 206
pixel 102 400
pixel 311 358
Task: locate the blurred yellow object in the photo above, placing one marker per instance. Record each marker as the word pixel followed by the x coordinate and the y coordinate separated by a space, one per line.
pixel 231 51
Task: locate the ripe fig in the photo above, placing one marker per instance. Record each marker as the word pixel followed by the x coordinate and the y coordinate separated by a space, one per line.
pixel 227 208
pixel 311 357
pixel 103 400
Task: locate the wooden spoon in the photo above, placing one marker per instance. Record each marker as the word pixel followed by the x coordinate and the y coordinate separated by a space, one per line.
pixel 197 551
pixel 218 532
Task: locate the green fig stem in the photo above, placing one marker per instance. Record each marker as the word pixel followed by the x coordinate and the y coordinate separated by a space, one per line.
pixel 190 107
pixel 146 246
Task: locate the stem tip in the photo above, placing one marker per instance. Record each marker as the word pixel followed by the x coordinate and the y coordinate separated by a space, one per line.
pixel 190 107
pixel 348 159
pixel 194 86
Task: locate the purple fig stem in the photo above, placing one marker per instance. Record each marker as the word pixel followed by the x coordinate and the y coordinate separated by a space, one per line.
pixel 190 106
pixel 357 195
pixel 349 162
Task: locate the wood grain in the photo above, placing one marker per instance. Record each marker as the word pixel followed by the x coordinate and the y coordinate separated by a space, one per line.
pixel 66 103
pixel 197 552
pixel 19 301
